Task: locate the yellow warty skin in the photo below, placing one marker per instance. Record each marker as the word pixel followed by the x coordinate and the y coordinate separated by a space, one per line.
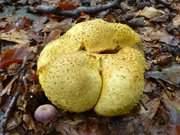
pixel 95 64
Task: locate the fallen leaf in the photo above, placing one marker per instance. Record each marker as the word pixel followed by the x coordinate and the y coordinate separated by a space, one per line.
pixel 38 24
pixel 178 129
pixel 137 22
pixel 150 12
pixel 15 121
pixel 66 5
pixel 15 55
pixel 173 74
pixel 164 59
pixel 3 25
pixel 173 107
pixel 20 36
pixel 152 107
pixel 160 19
pixel 170 40
pixel 28 120
pixel 170 75
pixel 149 86
pixel 150 34
pixel 53 35
pixel 176 20
pixel 64 25
pixel 89 128
pixel 94 129
pixel 66 129
pixel 8 88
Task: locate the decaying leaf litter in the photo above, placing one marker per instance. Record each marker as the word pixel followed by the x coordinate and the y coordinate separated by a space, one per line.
pixel 24 34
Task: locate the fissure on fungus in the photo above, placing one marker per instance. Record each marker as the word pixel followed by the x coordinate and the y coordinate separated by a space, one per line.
pixel 94 65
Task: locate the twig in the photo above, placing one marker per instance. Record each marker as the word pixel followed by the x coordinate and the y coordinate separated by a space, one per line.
pixel 143 105
pixel 5 117
pixel 76 12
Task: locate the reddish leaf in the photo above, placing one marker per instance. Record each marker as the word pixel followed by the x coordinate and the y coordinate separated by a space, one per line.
pixel 178 129
pixel 14 55
pixel 3 25
pixel 67 5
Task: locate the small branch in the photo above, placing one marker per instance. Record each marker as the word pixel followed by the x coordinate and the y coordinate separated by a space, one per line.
pixel 143 105
pixel 76 12
pixel 5 117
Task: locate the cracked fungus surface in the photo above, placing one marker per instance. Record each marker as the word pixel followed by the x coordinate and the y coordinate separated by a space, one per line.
pixel 95 64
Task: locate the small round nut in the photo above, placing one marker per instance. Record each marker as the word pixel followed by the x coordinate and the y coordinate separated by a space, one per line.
pixel 45 113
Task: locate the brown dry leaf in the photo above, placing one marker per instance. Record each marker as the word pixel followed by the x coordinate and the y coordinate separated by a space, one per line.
pixel 87 128
pixel 178 129
pixel 64 25
pixel 15 121
pixel 8 88
pixel 20 37
pixel 65 129
pixel 94 129
pixel 150 12
pixel 176 20
pixel 67 5
pixel 150 34
pixel 38 24
pixel 173 107
pixel 3 25
pixel 164 59
pixel 149 86
pixel 145 32
pixel 53 35
pixel 28 120
pixel 51 25
pixel 170 75
pixel 157 35
pixel 15 55
pixel 170 40
pixel 152 107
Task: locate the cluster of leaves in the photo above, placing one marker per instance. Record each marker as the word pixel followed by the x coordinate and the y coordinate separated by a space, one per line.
pixel 23 35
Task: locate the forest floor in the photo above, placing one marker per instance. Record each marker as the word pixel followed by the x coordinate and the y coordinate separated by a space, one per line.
pixel 25 30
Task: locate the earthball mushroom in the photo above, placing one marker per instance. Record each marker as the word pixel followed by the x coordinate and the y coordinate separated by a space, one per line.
pixel 94 65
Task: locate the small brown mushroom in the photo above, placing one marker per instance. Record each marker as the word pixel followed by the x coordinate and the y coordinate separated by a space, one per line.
pixel 45 113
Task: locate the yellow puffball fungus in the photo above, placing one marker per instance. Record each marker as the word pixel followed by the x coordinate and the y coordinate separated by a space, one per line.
pixel 95 64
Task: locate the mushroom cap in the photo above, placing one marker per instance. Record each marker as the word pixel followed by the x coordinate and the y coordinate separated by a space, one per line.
pixel 95 64
pixel 72 82
pixel 123 82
